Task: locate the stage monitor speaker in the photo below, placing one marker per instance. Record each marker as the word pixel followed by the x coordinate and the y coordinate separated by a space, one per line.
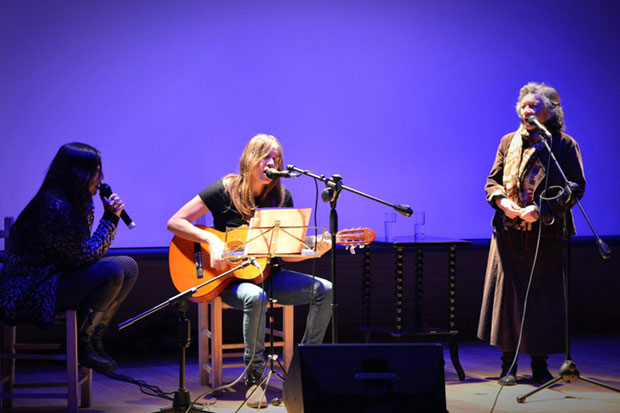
pixel 366 378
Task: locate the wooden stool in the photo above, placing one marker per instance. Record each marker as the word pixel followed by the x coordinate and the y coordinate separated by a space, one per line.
pixel 212 349
pixel 12 350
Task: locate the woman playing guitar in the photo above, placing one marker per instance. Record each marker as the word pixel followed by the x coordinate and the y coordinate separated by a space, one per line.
pixel 232 202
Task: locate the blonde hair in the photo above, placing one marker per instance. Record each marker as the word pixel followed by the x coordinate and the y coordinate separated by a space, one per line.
pixel 239 186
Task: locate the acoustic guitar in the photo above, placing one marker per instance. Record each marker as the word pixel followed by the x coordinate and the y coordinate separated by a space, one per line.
pixel 189 262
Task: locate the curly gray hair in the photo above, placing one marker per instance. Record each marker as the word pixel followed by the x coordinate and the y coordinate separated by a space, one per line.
pixel 550 99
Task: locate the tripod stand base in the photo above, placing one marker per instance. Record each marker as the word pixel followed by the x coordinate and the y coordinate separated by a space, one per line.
pixel 181 403
pixel 567 372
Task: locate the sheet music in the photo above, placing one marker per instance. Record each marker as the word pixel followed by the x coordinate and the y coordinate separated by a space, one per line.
pixel 277 231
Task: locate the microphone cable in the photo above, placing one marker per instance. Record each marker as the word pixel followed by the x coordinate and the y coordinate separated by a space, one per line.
pixel 145 388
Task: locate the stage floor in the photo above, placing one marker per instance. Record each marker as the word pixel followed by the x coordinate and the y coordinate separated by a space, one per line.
pixel 597 357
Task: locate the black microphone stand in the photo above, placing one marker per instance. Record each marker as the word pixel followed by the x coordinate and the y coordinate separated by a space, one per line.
pixel 331 193
pixel 569 371
pixel 182 402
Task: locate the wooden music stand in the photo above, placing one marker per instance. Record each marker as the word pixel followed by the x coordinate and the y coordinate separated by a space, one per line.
pixel 273 232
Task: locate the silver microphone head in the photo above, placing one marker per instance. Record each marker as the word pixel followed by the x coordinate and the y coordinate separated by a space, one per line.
pixel 533 120
pixel 255 263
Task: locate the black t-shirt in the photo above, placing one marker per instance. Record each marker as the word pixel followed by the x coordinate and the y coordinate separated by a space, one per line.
pixel 224 212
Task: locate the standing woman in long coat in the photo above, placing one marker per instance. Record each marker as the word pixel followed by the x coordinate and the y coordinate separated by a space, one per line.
pixel 521 172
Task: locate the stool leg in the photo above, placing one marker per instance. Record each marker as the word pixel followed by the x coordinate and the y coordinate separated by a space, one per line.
pixel 72 363
pixel 288 314
pixel 87 387
pixel 217 359
pixel 203 342
pixel 8 365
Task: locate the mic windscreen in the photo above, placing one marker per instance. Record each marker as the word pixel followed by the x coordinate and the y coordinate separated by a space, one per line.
pixel 105 190
pixel 272 173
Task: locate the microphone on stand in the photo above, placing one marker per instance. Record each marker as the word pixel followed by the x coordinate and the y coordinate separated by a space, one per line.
pixel 253 261
pixel 274 173
pixel 105 190
pixel 327 194
pixel 533 120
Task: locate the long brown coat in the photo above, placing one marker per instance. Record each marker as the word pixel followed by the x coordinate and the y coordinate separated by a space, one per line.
pixel 511 256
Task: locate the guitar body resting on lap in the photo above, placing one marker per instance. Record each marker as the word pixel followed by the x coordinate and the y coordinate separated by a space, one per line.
pixel 189 261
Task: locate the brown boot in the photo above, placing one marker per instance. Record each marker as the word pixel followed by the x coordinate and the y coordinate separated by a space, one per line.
pixel 540 373
pixel 255 394
pixel 87 355
pixel 508 377
pixel 97 337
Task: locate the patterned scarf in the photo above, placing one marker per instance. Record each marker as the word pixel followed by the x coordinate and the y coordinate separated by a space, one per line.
pixel 523 171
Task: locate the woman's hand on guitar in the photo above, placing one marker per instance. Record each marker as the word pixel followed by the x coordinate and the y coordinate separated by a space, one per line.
pixel 216 249
pixel 325 243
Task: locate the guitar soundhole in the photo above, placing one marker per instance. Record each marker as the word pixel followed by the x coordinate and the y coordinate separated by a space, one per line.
pixel 233 249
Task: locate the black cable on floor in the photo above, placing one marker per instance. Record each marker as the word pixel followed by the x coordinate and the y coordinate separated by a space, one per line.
pixel 145 388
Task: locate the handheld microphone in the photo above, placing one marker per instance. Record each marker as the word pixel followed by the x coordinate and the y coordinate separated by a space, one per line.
pixel 105 190
pixel 533 120
pixel 274 173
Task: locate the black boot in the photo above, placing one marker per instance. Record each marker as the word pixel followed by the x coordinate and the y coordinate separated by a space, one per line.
pixel 508 377
pixel 97 337
pixel 540 373
pixel 255 394
pixel 87 355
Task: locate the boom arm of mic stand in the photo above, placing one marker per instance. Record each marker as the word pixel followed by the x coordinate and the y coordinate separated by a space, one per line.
pixel 181 295
pixel 603 248
pixel 401 209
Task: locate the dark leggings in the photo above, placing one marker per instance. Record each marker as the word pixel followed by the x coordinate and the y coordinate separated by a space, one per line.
pixel 97 286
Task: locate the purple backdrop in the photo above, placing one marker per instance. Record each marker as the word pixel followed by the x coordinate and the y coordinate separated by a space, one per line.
pixel 406 100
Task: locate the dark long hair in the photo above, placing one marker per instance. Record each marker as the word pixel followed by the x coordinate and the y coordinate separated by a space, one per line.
pixel 70 172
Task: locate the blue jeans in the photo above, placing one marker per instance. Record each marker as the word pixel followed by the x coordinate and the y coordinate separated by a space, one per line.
pixel 289 288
